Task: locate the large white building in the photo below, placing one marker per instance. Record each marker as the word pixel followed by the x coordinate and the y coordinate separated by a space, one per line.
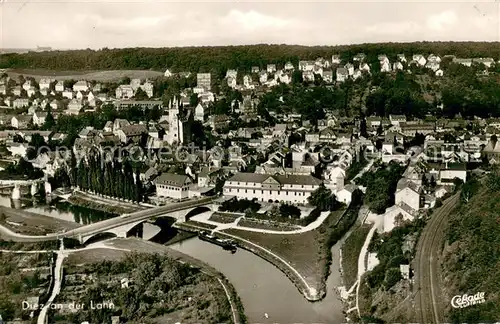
pixel 293 189
pixel 172 185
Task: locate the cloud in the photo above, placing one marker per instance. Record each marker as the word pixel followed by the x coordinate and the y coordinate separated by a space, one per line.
pixel 441 21
pixel 253 20
pixel 136 23
pixel 394 28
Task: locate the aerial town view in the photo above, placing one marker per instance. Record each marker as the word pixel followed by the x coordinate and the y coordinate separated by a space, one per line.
pixel 249 162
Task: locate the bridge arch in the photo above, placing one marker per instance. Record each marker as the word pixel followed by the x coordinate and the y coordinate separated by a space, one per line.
pixel 196 211
pixel 98 237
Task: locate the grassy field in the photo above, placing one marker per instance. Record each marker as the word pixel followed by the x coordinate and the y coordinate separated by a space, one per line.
pixel 101 76
pixel 267 225
pixel 350 252
pixel 32 224
pixel 223 218
pixel 305 251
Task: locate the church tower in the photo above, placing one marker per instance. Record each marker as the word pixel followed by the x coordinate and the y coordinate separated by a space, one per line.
pixel 174 128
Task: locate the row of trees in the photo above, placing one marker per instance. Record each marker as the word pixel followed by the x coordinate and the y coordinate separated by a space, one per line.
pixel 219 59
pixel 102 176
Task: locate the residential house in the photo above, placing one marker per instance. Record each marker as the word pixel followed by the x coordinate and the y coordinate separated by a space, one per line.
pixel 397 119
pixel 218 121
pixel 27 85
pixel 255 69
pixel 54 104
pixel 397 66
pixel 21 121
pixel 45 84
pixel 263 77
pixel 488 61
pixel 199 112
pixel 172 185
pixel 335 59
pixel 350 68
pixel 342 74
pixel 344 195
pixel 293 189
pixel 18 149
pixel 409 193
pixel 308 76
pixel 419 59
pixel 124 92
pixel 204 80
pixel 328 76
pixel 81 85
pixel 232 74
pixel 466 62
pixel 167 73
pixel 439 73
pixel 364 67
pixel 132 133
pixel 231 82
pixel 68 93
pixel 3 90
pixel 39 118
pixel 401 57
pixel 359 57
pixel 20 103
pixel 271 68
pixel 306 65
pixel 17 91
pixel 59 86
pixel 74 107
pixel 289 66
pixel 385 65
pixel 492 150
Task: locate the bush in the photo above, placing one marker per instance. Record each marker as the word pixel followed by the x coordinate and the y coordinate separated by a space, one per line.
pixel 392 277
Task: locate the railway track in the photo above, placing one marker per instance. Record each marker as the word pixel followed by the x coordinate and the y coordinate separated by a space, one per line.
pixel 427 289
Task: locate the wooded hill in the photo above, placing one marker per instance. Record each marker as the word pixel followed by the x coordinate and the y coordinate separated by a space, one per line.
pixel 218 59
pixel 472 251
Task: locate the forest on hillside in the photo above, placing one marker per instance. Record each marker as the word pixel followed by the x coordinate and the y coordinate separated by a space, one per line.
pixel 472 251
pixel 219 59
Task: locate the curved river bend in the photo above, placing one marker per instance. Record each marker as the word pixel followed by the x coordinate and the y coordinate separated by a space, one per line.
pixel 261 287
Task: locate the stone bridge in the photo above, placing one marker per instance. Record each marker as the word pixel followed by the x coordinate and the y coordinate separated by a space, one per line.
pixel 149 230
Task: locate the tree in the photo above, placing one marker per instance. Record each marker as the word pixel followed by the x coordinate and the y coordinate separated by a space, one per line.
pixel 140 95
pixel 323 199
pixel 49 120
pixel 392 277
pixel 193 100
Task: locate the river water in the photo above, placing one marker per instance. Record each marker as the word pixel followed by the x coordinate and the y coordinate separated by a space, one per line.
pixel 262 287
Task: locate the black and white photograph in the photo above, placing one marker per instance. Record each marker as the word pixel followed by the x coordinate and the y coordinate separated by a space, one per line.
pixel 249 162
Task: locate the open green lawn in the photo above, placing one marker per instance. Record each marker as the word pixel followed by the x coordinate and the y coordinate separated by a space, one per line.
pixel 350 253
pixel 101 76
pixel 306 252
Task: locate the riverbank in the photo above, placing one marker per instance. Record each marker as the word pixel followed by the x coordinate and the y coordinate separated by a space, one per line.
pixel 29 223
pixel 141 246
pixel 108 205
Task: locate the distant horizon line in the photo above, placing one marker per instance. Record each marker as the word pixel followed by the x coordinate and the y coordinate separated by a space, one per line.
pixel 240 45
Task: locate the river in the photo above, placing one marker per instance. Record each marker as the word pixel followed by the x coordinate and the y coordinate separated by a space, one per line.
pixel 264 289
pixel 261 287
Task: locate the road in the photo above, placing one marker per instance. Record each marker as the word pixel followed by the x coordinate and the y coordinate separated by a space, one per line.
pixel 427 289
pixel 109 223
pixel 55 290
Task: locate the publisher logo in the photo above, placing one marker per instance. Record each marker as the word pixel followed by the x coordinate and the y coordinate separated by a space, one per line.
pixel 467 300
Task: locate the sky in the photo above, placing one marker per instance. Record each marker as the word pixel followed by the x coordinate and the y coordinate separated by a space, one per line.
pixel 151 23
